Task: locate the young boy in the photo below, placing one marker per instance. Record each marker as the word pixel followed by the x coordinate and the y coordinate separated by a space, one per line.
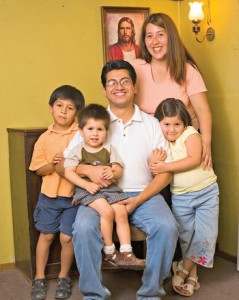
pixel 94 122
pixel 54 211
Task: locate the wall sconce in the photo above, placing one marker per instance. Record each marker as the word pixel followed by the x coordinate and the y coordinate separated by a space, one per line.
pixel 196 15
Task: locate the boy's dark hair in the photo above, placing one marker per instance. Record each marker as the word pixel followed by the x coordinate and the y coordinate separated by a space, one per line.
pixel 117 65
pixel 93 111
pixel 172 107
pixel 68 92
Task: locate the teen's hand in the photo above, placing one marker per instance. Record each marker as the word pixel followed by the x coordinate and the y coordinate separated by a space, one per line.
pixel 206 155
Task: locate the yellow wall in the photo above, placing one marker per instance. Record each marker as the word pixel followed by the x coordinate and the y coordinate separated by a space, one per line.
pixel 45 44
pixel 219 63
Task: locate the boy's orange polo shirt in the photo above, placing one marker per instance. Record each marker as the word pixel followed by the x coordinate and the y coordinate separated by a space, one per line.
pixel 48 144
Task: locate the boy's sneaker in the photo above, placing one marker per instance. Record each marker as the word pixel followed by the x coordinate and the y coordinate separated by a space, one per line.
pixel 125 260
pixel 63 290
pixel 39 289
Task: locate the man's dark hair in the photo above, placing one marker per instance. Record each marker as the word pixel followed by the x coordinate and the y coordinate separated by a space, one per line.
pixel 118 65
pixel 65 92
pixel 93 111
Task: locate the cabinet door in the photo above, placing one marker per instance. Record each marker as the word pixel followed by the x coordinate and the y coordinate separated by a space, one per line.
pixel 33 183
pixel 25 188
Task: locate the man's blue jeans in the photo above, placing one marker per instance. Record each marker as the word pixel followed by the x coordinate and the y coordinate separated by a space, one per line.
pixel 155 218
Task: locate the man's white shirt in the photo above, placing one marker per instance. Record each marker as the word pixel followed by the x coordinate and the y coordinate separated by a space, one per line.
pixel 134 142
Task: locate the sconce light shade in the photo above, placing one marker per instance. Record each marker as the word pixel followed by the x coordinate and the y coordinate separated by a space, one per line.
pixel 196 13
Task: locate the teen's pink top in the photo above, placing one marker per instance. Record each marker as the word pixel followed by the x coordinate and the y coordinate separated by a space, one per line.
pixel 150 93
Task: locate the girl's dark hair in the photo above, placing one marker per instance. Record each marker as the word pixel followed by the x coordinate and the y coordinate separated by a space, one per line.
pixel 117 65
pixel 68 92
pixel 93 111
pixel 172 107
pixel 177 54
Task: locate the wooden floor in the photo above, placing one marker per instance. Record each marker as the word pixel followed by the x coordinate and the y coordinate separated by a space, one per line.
pixel 219 283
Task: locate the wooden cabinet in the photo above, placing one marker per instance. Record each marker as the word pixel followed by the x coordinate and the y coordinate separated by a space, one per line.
pixel 25 188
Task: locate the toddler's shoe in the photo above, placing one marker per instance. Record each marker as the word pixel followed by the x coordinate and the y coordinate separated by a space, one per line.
pixel 125 260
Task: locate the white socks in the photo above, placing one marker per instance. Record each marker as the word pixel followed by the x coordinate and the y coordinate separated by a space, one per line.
pixel 109 249
pixel 126 248
pixel 123 248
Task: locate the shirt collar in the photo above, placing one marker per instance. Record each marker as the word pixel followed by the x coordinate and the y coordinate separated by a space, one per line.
pixel 137 116
pixel 74 127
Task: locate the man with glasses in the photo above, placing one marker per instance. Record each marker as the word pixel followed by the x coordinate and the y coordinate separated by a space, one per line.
pixel 135 135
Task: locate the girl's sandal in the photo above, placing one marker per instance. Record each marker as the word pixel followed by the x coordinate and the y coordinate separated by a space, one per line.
pixel 190 288
pixel 177 281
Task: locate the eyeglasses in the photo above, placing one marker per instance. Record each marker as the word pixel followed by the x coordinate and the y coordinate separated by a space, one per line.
pixel 112 83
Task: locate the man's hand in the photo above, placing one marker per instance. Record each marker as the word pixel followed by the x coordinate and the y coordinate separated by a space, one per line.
pixel 96 175
pixel 108 174
pixel 130 203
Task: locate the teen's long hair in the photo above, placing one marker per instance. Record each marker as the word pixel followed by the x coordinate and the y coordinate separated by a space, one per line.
pixel 177 54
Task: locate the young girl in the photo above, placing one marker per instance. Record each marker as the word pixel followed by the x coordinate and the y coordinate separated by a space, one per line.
pixel 194 194
pixel 94 123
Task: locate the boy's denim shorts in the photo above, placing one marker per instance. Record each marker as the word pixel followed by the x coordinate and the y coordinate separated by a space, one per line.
pixel 52 215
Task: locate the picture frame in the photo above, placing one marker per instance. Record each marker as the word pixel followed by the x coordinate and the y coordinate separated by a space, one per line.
pixel 110 16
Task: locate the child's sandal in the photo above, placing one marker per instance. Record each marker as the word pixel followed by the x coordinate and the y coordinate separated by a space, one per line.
pixel 190 288
pixel 63 290
pixel 177 281
pixel 39 289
